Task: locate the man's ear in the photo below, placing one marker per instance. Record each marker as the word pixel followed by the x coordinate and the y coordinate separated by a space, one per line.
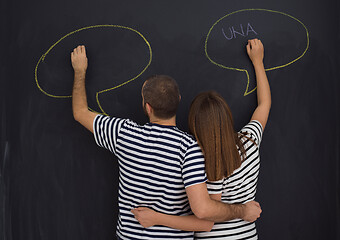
pixel 180 97
pixel 148 108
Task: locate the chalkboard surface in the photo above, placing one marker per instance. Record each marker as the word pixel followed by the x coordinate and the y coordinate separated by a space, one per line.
pixel 55 183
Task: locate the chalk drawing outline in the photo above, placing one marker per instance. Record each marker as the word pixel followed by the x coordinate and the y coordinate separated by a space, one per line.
pixel 244 70
pixel 42 58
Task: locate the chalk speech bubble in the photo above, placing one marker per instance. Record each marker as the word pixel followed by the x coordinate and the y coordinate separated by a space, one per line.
pixel 285 38
pixel 48 53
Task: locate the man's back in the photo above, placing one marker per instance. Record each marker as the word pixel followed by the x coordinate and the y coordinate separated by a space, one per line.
pixel 156 164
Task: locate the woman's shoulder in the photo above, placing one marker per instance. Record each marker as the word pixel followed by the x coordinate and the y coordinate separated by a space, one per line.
pixel 252 131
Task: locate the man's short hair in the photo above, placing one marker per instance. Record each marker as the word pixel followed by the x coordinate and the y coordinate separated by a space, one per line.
pixel 161 92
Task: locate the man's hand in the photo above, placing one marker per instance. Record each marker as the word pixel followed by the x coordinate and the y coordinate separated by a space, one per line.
pixel 252 211
pixel 79 59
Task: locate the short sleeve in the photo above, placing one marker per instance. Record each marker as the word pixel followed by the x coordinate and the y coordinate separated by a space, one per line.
pixel 215 187
pixel 193 169
pixel 253 130
pixel 105 131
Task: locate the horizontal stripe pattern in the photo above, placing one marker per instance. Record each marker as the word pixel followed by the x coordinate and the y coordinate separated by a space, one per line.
pixel 156 164
pixel 239 187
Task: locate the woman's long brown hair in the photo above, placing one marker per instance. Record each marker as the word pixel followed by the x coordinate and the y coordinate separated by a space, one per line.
pixel 211 122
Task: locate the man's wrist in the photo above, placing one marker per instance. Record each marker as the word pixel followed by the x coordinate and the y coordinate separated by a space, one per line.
pixel 80 72
pixel 239 211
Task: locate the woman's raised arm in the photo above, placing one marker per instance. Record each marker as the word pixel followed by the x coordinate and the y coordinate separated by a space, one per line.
pixel 255 52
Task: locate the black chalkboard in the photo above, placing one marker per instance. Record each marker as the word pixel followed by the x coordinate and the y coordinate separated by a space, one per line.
pixel 55 183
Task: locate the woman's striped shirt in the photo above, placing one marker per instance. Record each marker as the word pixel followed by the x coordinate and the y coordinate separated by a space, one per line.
pixel 156 164
pixel 239 187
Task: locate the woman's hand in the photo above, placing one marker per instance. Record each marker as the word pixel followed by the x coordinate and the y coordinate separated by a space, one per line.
pixel 255 51
pixel 145 216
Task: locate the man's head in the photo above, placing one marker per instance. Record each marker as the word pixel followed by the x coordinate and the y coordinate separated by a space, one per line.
pixel 161 93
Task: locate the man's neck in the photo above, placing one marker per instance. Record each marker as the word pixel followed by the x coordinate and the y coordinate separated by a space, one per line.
pixel 165 122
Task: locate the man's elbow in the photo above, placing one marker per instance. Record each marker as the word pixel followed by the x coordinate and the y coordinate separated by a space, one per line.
pixel 78 115
pixel 202 213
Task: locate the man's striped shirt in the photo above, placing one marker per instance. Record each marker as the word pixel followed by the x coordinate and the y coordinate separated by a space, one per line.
pixel 156 164
pixel 239 187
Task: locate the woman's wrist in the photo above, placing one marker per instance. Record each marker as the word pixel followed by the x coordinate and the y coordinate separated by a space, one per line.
pixel 258 64
pixel 159 218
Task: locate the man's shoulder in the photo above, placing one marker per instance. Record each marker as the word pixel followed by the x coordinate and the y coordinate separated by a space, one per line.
pixel 186 139
pixel 172 132
pixel 186 136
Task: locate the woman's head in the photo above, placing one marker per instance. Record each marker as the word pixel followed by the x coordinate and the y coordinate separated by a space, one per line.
pixel 211 122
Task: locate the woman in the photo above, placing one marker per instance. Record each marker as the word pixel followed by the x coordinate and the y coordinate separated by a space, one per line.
pixel 231 158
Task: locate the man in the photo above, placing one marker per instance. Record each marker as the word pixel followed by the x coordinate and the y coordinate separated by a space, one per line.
pixel 160 166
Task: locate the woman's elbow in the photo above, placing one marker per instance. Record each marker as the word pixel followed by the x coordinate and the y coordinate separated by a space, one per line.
pixel 208 226
pixel 205 224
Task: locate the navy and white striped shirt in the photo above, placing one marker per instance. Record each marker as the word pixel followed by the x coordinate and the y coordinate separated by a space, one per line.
pixel 156 164
pixel 239 187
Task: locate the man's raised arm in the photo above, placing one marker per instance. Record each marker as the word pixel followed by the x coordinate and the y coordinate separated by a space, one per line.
pixel 205 208
pixel 81 113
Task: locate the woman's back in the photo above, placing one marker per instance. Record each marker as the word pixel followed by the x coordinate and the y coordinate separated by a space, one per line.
pixel 239 187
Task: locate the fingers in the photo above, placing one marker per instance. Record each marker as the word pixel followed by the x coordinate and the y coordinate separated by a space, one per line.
pixel 253 211
pixel 79 59
pixel 135 211
pixel 254 41
pixel 257 204
pixel 79 50
pixel 255 51
pixel 251 42
pixel 75 51
pixel 141 208
pixel 248 48
pixel 260 210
